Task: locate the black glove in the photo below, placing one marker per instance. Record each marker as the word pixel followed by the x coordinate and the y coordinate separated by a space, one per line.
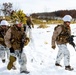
pixel 12 50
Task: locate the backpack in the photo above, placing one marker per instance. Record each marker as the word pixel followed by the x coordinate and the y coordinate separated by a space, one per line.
pixel 57 27
pixel 2 34
pixel 65 33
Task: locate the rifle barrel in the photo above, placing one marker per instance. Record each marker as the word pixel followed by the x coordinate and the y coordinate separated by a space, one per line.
pixel 73 35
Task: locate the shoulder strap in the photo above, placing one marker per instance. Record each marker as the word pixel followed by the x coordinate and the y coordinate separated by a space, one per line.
pixel 56 27
pixel 1 32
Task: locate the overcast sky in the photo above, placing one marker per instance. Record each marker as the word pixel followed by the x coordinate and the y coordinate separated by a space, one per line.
pixel 34 6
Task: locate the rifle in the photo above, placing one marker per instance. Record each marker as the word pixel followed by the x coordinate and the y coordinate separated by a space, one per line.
pixel 22 43
pixel 70 40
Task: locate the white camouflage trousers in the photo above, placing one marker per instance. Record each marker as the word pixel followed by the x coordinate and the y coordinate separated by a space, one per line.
pixel 3 52
pixel 63 52
pixel 21 59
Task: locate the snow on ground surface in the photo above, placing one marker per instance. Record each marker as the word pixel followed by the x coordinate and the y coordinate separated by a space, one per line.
pixel 41 57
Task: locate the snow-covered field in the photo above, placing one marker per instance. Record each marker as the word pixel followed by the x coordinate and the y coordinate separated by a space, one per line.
pixel 41 57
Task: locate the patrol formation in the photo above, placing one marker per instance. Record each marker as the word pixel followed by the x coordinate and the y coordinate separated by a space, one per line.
pixel 14 38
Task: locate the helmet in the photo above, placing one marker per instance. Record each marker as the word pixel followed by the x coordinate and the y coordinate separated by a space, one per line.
pixel 67 18
pixel 4 22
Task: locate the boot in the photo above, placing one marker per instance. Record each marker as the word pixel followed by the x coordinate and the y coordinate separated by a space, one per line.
pixel 56 64
pixel 26 72
pixel 3 60
pixel 69 68
pixel 10 64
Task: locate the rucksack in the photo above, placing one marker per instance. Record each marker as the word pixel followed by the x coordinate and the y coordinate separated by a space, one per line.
pixel 57 27
pixel 65 33
pixel 3 31
pixel 2 34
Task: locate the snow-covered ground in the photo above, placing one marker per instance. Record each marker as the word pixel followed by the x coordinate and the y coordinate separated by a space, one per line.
pixel 41 57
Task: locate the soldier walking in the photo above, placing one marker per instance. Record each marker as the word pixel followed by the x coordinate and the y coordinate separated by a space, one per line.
pixel 13 40
pixel 60 37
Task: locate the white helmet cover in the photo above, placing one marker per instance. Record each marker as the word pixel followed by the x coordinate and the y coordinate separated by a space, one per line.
pixel 4 22
pixel 67 18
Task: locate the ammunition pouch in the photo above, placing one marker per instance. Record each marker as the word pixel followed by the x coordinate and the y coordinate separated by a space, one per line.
pixel 62 39
pixel 15 44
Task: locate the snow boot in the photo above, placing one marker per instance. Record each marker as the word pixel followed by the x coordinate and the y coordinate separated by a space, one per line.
pixel 12 59
pixel 3 60
pixel 26 72
pixel 69 68
pixel 56 64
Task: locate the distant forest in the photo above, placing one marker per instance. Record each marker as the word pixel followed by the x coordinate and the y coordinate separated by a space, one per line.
pixel 59 13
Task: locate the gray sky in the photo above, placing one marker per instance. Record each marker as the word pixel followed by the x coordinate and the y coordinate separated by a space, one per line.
pixel 34 6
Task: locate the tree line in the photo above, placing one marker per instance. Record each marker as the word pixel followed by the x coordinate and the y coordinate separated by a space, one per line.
pixel 59 13
pixel 11 14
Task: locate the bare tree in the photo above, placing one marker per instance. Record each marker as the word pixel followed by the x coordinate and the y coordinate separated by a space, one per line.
pixel 7 8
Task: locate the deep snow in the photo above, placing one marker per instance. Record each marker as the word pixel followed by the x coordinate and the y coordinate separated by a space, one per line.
pixel 41 57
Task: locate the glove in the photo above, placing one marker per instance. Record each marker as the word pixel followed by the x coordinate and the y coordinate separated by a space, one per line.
pixel 12 50
pixel 53 47
pixel 27 40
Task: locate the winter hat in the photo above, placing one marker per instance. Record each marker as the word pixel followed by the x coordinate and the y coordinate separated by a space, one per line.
pixel 67 18
pixel 4 22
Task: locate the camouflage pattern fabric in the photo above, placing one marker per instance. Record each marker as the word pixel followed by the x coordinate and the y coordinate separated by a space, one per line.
pixel 16 37
pixel 63 52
